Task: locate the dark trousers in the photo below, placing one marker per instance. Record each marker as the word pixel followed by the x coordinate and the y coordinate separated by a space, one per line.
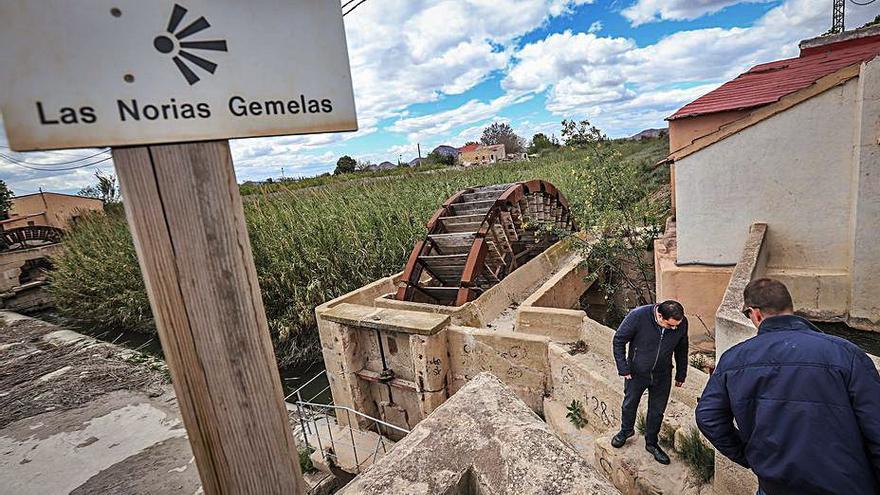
pixel 658 396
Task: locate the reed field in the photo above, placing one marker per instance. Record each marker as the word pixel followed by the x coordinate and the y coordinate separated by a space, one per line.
pixel 310 244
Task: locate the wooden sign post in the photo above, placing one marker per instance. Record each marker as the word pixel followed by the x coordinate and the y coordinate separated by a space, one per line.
pixel 132 75
pixel 186 217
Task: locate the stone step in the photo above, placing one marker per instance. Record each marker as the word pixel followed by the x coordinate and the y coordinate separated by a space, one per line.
pixel 631 468
pixel 592 379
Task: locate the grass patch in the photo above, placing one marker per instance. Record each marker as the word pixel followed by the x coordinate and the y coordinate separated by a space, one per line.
pixel 698 361
pixel 641 424
pixel 699 457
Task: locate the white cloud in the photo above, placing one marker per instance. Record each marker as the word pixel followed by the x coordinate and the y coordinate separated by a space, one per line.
pixel 595 27
pixel 645 11
pixel 472 112
pixel 622 86
pixel 413 51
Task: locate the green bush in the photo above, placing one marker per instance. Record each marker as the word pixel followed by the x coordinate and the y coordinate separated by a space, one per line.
pixel 576 414
pixel 305 462
pixel 309 245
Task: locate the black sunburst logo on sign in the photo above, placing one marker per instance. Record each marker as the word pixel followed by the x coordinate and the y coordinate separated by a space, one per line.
pixel 168 43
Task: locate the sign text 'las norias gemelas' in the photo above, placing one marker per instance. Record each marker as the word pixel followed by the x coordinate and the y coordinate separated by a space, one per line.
pixel 133 110
pixel 127 72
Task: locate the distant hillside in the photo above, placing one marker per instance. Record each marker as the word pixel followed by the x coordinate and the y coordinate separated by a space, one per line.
pixel 649 134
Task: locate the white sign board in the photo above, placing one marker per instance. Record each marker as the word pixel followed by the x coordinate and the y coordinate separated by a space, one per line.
pixel 83 73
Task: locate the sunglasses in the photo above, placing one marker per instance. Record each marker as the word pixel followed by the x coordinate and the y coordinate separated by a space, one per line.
pixel 747 311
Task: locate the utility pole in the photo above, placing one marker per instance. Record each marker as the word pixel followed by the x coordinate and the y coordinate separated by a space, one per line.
pixel 838 18
pixel 419 147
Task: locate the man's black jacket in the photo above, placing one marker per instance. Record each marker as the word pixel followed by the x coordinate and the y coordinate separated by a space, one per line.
pixel 650 346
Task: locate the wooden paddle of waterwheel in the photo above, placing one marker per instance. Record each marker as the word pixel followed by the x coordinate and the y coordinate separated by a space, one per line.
pixel 479 236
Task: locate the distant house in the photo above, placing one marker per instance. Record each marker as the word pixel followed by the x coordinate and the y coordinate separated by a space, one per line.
pixel 386 166
pixel 792 144
pixel 415 162
pixel 48 209
pixel 479 154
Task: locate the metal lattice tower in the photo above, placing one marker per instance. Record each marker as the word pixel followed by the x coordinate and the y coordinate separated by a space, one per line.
pixel 837 21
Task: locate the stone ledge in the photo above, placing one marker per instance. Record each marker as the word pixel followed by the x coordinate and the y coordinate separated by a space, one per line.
pixel 391 320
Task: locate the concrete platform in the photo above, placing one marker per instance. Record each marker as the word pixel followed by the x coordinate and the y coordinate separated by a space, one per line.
pixel 79 416
pixel 82 417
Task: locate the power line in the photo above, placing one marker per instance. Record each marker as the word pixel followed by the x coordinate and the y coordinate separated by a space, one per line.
pixel 62 169
pixel 351 9
pixel 44 164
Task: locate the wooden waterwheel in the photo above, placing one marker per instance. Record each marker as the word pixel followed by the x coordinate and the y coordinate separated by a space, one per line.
pixel 479 236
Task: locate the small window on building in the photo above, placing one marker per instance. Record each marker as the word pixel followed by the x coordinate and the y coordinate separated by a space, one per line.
pixel 30 223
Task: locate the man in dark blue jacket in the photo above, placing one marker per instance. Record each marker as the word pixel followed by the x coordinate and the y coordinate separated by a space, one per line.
pixel 654 333
pixel 806 404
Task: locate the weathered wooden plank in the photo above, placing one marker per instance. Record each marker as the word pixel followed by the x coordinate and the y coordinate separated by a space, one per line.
pixel 186 218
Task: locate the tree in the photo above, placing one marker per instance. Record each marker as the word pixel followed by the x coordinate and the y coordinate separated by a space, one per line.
pixel 582 134
pixel 502 133
pixel 622 214
pixel 541 142
pixel 470 143
pixel 106 189
pixel 6 196
pixel 441 159
pixel 345 165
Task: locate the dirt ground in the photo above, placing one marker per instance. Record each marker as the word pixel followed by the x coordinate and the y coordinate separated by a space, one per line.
pixel 39 375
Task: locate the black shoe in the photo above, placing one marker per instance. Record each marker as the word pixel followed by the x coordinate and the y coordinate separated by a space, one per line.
pixel 658 453
pixel 618 440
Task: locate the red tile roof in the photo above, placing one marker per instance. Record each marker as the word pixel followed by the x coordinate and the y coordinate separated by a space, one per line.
pixel 767 83
pixel 469 147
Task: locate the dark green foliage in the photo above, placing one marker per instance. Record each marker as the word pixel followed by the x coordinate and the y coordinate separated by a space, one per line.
pixel 622 206
pixel 305 462
pixel 641 424
pixel 6 196
pixel 699 457
pixel 540 143
pixel 96 280
pixel 576 414
pixel 440 159
pixel 106 189
pixel 345 165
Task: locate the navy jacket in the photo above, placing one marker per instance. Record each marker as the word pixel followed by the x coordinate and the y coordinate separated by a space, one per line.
pixel 807 410
pixel 650 346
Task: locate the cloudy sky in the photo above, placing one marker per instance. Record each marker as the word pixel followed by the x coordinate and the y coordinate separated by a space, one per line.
pixel 436 72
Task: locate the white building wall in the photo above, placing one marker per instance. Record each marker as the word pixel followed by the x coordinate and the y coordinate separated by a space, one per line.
pixel 793 171
pixel 865 291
